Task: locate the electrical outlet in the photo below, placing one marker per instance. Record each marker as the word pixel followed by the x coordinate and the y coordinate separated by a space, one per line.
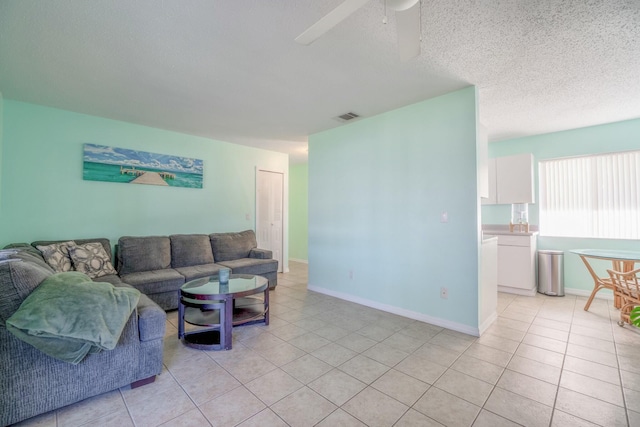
pixel 444 293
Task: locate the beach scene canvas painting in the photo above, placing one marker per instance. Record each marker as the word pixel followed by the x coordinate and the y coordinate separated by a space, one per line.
pixel 104 163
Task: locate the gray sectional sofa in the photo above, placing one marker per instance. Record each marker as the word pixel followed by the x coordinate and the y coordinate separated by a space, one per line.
pixel 32 383
pixel 159 265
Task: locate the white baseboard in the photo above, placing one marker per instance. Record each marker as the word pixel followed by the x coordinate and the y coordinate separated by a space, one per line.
pixel 517 291
pixel 567 291
pixel 448 324
pixel 485 325
pixel 584 293
pixel 304 261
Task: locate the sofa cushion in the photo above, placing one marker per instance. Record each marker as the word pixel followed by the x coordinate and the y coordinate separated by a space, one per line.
pixel 18 278
pixel 251 266
pixel 190 249
pixel 141 254
pixel 198 271
pixel 229 246
pixel 57 255
pixel 151 282
pixel 166 300
pixel 91 259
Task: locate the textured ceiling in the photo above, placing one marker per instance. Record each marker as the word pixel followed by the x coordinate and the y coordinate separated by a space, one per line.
pixel 230 70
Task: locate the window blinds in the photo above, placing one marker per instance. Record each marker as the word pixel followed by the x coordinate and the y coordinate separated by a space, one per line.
pixel 592 196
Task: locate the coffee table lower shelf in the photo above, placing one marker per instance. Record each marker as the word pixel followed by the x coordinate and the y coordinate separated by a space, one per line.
pixel 204 340
pixel 246 311
pixel 207 336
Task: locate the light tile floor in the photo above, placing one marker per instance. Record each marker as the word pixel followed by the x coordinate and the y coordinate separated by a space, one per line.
pixel 327 362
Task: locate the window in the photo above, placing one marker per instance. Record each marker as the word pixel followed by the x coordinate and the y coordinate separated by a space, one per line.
pixel 592 196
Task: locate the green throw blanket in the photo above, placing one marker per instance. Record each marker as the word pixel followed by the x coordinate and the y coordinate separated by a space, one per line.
pixel 68 316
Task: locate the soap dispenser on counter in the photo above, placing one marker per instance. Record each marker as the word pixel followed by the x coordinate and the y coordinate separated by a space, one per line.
pixel 519 218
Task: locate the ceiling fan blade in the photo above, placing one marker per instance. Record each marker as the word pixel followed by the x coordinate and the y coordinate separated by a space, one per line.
pixel 330 20
pixel 408 22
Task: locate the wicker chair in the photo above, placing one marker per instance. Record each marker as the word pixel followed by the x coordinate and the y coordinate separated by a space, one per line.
pixel 627 289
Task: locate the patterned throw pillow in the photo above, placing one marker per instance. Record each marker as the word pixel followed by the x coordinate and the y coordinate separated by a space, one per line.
pixel 92 260
pixel 57 255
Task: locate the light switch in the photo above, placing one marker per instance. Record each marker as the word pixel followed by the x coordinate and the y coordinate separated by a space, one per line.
pixel 444 216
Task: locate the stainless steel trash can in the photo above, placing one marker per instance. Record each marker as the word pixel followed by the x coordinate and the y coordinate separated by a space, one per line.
pixel 551 273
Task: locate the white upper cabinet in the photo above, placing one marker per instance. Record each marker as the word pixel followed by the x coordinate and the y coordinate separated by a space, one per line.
pixel 511 180
pixel 515 179
pixel 492 197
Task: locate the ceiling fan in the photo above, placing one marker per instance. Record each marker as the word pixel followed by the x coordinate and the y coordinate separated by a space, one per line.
pixel 407 18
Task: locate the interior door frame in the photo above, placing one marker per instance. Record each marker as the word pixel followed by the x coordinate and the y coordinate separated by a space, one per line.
pixel 285 211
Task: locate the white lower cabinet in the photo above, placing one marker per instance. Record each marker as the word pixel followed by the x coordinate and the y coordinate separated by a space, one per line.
pixel 488 289
pixel 517 264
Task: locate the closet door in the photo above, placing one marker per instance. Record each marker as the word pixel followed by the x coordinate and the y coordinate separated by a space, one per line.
pixel 269 221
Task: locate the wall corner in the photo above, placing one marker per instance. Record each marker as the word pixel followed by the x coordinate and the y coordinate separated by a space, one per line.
pixel 1 146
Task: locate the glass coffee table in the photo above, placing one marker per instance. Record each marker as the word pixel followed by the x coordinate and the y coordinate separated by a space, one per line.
pixel 215 309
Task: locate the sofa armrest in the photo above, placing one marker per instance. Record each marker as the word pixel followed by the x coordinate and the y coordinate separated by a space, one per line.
pixel 151 319
pixel 260 254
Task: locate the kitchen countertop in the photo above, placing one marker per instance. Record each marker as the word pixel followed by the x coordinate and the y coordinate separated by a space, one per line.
pixel 496 229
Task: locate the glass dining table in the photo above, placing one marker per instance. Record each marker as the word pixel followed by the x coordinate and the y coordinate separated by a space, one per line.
pixel 621 260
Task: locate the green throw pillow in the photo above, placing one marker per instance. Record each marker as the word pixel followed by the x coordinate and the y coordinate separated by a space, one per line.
pixel 68 316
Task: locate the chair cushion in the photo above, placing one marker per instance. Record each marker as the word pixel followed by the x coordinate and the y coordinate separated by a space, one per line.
pixel 142 254
pixel 190 249
pixel 230 246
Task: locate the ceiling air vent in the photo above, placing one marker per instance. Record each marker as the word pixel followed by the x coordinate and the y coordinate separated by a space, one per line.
pixel 347 117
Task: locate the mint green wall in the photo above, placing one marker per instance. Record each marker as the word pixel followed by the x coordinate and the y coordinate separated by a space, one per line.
pixel 377 188
pixel 45 197
pixel 298 211
pixel 611 137
pixel 1 145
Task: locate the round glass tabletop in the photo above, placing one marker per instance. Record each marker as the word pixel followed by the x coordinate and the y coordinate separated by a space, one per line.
pixel 210 287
